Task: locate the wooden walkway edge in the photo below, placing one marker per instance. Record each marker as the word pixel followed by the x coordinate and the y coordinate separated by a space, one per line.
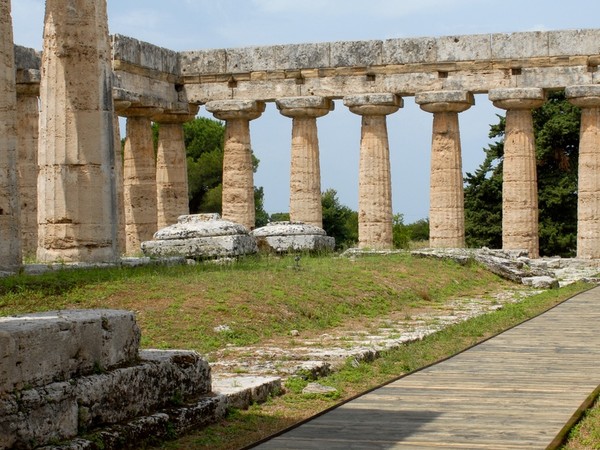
pixel 519 390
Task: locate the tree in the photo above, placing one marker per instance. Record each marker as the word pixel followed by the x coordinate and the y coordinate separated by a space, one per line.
pixel 556 128
pixel 339 221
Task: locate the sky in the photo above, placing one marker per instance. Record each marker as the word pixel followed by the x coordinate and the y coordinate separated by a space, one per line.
pixel 205 24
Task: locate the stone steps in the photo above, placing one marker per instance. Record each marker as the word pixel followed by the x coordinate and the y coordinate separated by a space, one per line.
pixel 79 378
pixel 228 392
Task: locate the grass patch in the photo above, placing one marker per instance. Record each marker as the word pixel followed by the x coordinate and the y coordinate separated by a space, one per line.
pixel 256 298
pixel 264 298
pixel 245 427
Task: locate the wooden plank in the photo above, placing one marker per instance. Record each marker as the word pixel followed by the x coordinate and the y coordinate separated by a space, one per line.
pixel 514 391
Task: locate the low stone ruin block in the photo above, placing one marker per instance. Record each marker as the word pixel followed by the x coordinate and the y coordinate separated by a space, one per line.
pixel 38 349
pixel 58 411
pixel 201 236
pixel 283 237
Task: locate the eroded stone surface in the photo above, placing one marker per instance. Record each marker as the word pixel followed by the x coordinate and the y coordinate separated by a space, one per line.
pixel 37 349
pixel 201 236
pixel 77 204
pixel 293 236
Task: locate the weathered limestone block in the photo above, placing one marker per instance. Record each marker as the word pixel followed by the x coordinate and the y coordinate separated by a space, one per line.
pixel 238 174
pixel 161 379
pixel 58 411
pixel 588 204
pixel 519 187
pixel 201 236
pixel 305 171
pixel 446 205
pixel 375 186
pixel 10 234
pixel 77 206
pixel 37 349
pixel 293 236
pixel 38 416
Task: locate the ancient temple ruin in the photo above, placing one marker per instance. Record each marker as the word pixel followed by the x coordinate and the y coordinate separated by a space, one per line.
pixel 90 208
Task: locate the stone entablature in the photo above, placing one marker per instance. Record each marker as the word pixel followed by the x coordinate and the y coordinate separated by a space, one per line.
pixel 151 75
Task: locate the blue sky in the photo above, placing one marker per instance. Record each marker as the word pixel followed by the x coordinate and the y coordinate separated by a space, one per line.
pixel 202 24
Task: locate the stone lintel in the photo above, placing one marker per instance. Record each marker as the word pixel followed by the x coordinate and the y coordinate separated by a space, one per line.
pixel 236 109
pixel 584 96
pixel 309 106
pixel 517 98
pixel 375 104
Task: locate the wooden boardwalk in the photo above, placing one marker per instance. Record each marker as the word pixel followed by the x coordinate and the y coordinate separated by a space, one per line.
pixel 515 391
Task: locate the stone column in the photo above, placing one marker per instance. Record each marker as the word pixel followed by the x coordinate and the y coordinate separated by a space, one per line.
pixel 139 179
pixel 238 174
pixel 519 186
pixel 10 234
pixel 446 195
pixel 27 150
pixel 374 186
pixel 305 171
pixel 120 107
pixel 588 202
pixel 171 168
pixel 77 211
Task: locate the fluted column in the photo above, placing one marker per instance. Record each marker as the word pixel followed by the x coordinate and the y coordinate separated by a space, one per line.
pixel 519 186
pixel 374 186
pixel 238 173
pixel 446 194
pixel 139 179
pixel 588 204
pixel 171 168
pixel 120 107
pixel 27 167
pixel 305 171
pixel 76 191
pixel 10 234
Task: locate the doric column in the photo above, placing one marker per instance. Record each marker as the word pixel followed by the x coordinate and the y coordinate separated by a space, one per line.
pixel 238 174
pixel 375 185
pixel 519 185
pixel 305 171
pixel 139 179
pixel 588 203
pixel 27 166
pixel 120 107
pixel 76 192
pixel 171 168
pixel 10 234
pixel 446 195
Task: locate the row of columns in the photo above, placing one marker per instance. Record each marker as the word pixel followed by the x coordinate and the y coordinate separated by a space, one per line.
pixel 79 207
pixel 446 214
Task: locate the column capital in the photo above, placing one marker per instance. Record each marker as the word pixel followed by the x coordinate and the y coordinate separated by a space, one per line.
pixel 517 98
pixel 445 101
pixel 175 117
pixel 134 111
pixel 309 106
pixel 378 104
pixel 584 96
pixel 236 109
